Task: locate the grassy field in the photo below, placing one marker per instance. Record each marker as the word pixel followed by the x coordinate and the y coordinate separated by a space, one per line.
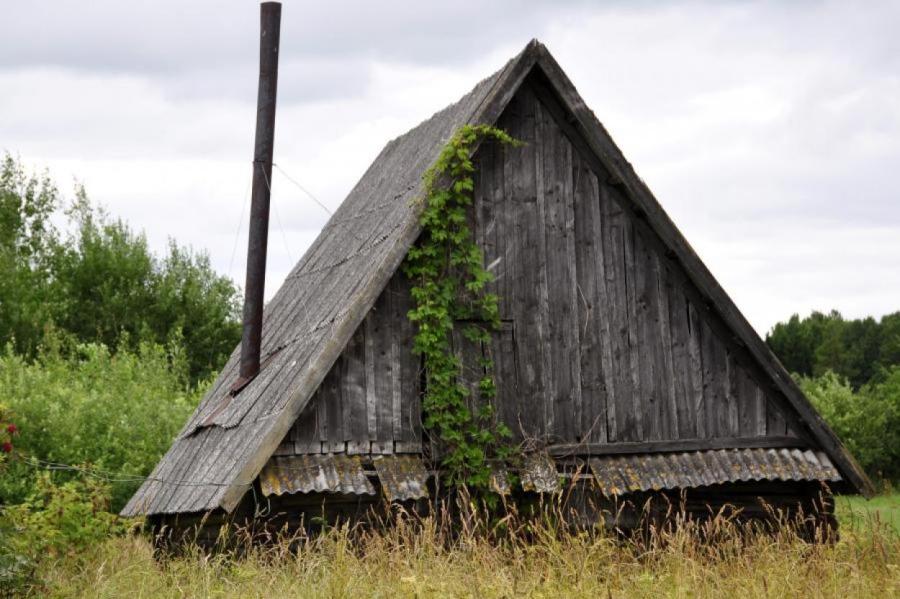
pixel 420 561
pixel 858 512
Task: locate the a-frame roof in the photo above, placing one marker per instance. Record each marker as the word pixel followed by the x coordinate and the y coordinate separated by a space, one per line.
pixel 216 457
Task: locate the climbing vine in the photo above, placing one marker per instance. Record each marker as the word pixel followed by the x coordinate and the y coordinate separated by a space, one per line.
pixel 449 279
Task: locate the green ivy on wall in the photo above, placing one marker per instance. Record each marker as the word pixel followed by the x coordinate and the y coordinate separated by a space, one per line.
pixel 447 270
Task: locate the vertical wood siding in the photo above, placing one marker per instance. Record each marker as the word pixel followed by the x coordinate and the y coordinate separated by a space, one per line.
pixel 369 400
pixel 604 338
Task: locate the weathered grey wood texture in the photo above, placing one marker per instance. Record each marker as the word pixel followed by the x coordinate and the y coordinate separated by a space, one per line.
pixel 608 342
pixel 602 343
pixel 369 400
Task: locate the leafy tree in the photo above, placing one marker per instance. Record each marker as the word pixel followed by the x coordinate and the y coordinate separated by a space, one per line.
pixel 100 282
pixel 28 242
pixel 114 285
pixel 190 299
pixel 890 339
pixel 795 342
pixel 858 350
pixel 867 421
pixel 105 274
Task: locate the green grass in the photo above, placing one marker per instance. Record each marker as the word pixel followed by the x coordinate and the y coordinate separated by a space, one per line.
pixel 860 513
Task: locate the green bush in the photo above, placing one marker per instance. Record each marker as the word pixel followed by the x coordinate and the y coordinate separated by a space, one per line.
pixel 867 421
pixel 55 521
pixel 116 412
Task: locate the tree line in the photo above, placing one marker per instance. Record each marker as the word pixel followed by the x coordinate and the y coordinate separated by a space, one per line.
pixel 858 350
pixel 850 370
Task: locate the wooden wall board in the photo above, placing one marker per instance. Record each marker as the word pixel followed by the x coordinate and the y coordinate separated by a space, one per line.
pixel 604 338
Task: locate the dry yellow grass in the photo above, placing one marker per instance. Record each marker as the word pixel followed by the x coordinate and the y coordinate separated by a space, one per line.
pixel 535 561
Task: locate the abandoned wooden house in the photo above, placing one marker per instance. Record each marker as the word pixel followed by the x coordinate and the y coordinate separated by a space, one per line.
pixel 619 356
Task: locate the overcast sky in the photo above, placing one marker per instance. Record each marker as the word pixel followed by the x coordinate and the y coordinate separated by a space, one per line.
pixel 769 131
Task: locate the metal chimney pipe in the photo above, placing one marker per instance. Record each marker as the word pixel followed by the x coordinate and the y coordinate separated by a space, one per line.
pixel 254 290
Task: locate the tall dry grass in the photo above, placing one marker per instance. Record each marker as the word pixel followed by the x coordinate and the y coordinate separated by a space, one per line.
pixel 533 558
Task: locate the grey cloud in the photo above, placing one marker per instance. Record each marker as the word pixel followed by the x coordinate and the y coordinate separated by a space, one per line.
pixel 160 36
pixel 302 80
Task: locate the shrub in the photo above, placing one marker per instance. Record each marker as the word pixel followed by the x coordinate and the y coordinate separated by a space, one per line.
pixel 56 521
pixel 117 412
pixel 868 421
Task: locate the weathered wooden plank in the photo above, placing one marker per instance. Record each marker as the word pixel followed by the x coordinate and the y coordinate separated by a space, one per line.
pixel 570 320
pixel 397 322
pixel 748 404
pixel 540 269
pixel 642 327
pixel 760 410
pixel 305 432
pixel 330 401
pixel 502 352
pixel 729 417
pixel 715 382
pixel 520 185
pixel 353 391
pixel 593 307
pixel 410 373
pixel 697 396
pixel 513 394
pixel 622 424
pixel 666 371
pixel 681 363
pixel 371 395
pixel 775 421
pixel 659 420
pixel 560 311
pixel 382 348
pixel 636 359
pixel 485 211
pixel 498 227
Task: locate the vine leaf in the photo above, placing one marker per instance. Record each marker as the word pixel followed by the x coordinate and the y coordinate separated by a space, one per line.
pixel 447 270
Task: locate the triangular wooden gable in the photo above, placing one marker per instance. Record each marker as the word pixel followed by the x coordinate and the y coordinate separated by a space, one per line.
pixel 324 304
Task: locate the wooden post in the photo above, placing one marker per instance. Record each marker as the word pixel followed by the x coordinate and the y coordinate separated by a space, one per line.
pixel 254 290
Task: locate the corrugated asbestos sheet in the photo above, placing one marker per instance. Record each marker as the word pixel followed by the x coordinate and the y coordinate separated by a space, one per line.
pixel 320 473
pixel 646 472
pixel 402 477
pixel 539 473
pixel 405 476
